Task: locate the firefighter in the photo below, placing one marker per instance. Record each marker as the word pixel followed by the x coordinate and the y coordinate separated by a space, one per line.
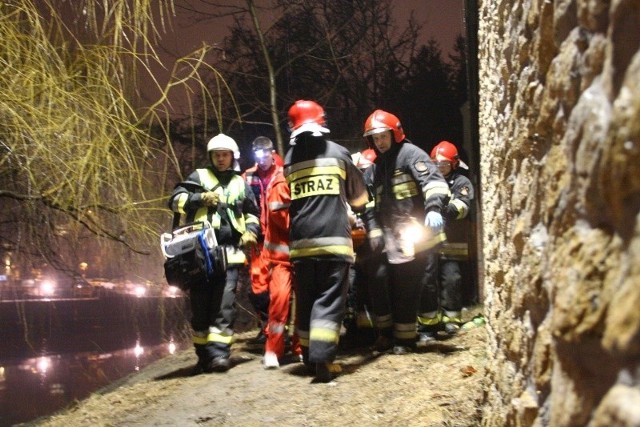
pixel 323 180
pixel 359 322
pixel 218 195
pixel 410 194
pixel 259 177
pixel 441 300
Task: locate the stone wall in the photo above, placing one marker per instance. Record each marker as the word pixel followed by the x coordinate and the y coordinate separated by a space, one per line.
pixel 560 191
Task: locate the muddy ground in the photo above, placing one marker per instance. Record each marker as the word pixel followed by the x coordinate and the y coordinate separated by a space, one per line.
pixel 438 385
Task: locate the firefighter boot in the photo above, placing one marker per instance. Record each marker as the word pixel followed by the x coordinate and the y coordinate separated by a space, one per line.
pixel 452 321
pixel 218 364
pixel 327 372
pixel 384 342
pixel 428 326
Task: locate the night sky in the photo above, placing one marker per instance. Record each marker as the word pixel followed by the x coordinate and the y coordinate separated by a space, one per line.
pixel 442 20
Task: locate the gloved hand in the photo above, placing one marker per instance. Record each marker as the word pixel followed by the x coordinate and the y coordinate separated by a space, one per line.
pixel 248 239
pixel 210 198
pixel 434 221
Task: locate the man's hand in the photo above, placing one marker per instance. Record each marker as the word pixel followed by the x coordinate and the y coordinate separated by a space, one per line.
pixel 210 198
pixel 434 221
pixel 248 239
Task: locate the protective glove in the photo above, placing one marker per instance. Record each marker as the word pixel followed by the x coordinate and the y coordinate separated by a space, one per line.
pixel 434 221
pixel 210 198
pixel 248 239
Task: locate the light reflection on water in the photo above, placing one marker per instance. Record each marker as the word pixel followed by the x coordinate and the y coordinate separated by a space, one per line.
pixel 56 352
pixel 31 388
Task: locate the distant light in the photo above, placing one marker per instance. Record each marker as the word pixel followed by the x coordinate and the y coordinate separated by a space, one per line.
pixel 43 364
pixel 172 347
pixel 47 288
pixel 138 350
pixel 140 291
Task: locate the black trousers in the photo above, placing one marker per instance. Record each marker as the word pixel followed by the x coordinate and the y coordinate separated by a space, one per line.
pixel 395 293
pixel 321 294
pixel 213 310
pixel 441 286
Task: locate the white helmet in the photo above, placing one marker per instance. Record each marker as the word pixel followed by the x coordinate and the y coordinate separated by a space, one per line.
pixel 224 142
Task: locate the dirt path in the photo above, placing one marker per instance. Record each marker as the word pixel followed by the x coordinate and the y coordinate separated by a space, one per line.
pixel 438 385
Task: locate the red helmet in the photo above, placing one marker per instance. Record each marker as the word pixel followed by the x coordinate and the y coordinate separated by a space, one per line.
pixel 366 158
pixel 306 116
pixel 381 121
pixel 445 151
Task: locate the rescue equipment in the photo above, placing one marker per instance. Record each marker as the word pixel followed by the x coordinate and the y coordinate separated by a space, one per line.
pixel 192 255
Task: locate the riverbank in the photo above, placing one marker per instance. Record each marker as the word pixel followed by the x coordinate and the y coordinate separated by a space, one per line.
pixel 438 385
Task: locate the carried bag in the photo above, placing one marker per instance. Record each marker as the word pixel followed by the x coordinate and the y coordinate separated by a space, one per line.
pixel 192 256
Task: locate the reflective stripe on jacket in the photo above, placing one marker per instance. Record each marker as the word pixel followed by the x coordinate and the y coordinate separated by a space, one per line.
pixel 322 179
pixel 276 219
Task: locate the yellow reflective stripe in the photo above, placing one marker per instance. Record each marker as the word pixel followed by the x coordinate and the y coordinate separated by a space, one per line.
pixel 324 166
pixel 179 203
pixel 384 321
pixel 303 337
pixel 252 219
pixel 221 338
pixel 404 330
pixel 201 215
pixel 324 330
pixel 405 190
pixel 199 340
pixel 430 318
pixel 435 189
pixel 235 256
pixel 324 334
pixel 324 250
pixel 321 246
pixel 461 207
pixel 452 316
pixel 318 171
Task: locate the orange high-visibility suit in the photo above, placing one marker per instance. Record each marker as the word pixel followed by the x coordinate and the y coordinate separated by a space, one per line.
pixel 275 253
pixel 259 180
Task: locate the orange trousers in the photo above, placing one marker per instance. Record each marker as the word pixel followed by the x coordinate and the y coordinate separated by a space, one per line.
pixel 279 310
pixel 259 295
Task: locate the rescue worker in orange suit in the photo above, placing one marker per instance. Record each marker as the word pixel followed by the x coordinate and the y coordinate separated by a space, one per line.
pixel 259 177
pixel 219 196
pixel 441 300
pixel 274 221
pixel 410 194
pixel 323 180
pixel 359 324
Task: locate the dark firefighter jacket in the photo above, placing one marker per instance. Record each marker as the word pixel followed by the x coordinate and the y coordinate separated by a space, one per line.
pixel 323 180
pixel 407 185
pixel 459 207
